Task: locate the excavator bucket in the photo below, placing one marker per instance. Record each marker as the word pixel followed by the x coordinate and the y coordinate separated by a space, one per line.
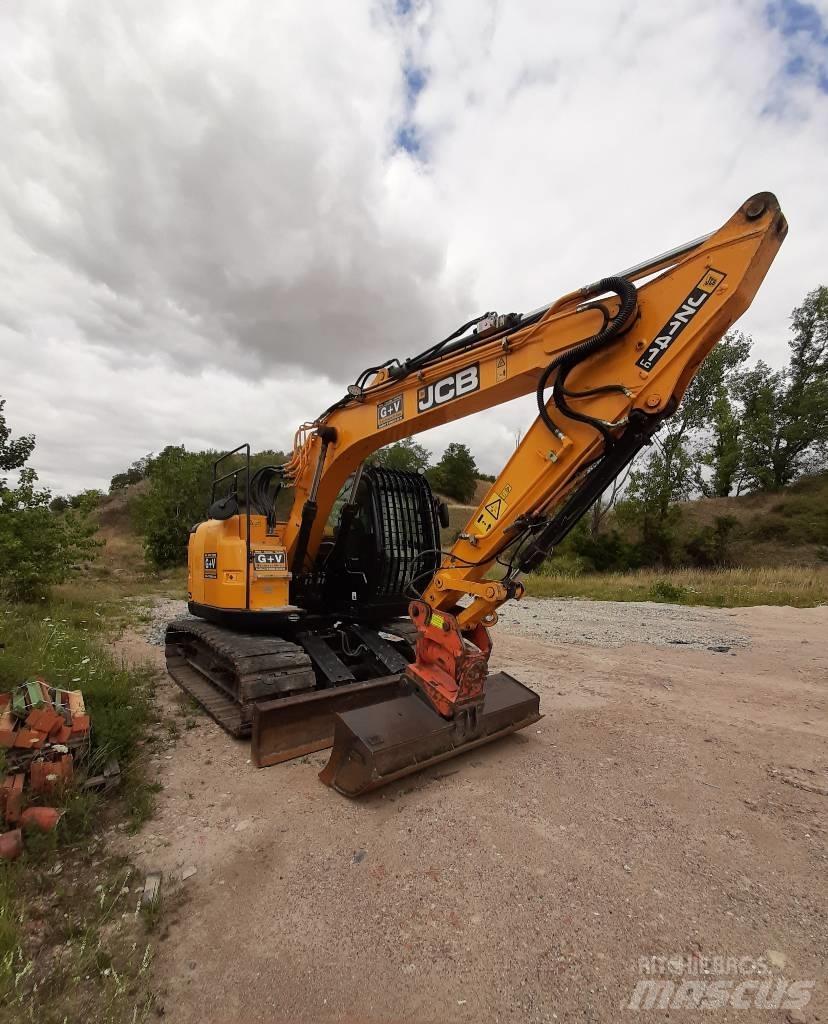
pixel 375 745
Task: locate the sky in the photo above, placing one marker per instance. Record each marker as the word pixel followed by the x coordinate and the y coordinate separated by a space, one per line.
pixel 215 213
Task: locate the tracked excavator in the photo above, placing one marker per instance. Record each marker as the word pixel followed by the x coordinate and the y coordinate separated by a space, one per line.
pixel 324 610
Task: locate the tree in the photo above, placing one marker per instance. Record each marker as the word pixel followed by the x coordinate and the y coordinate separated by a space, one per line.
pixel 671 472
pixel 606 502
pixel 455 475
pixel 136 472
pixel 722 452
pixel 177 498
pixel 785 412
pixel 38 547
pixel 86 501
pixel 14 452
pixel 405 454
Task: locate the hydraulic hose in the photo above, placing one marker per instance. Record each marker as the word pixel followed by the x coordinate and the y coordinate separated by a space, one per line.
pixel 264 486
pixel 626 292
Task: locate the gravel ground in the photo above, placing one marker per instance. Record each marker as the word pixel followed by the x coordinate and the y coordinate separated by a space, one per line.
pixel 615 623
pixel 164 610
pixel 670 803
pixel 596 623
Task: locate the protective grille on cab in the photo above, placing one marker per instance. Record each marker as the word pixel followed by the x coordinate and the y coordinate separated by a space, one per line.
pixel 407 536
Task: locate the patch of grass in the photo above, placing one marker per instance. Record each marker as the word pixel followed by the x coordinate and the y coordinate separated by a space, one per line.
pixel 800 587
pixel 81 811
pixel 152 912
pixel 9 925
pixel 663 590
pixel 72 945
pixel 62 642
pixel 90 959
pixel 139 796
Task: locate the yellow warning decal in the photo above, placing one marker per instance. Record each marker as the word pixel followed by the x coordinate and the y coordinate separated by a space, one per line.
pixel 501 367
pixel 437 620
pixel 492 511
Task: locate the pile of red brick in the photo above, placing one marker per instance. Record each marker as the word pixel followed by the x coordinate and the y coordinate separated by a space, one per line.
pixel 36 716
pixel 42 730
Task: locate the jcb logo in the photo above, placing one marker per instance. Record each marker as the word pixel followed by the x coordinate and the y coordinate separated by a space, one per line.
pixel 454 386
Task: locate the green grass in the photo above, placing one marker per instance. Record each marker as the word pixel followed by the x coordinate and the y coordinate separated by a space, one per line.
pixel 88 925
pixel 66 892
pixel 800 587
pixel 64 643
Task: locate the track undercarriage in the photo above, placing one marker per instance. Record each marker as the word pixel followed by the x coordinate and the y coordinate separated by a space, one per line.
pixel 282 692
pixel 344 686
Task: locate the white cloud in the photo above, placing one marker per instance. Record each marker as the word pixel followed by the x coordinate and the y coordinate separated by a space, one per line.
pixel 207 228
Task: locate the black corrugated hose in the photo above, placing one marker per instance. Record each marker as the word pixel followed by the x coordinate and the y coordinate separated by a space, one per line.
pixel 627 293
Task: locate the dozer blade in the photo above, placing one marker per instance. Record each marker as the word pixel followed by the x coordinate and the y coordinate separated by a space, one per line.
pixel 292 726
pixel 375 745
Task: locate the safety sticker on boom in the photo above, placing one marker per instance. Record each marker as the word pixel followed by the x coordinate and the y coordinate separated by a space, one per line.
pixel 492 511
pixel 681 318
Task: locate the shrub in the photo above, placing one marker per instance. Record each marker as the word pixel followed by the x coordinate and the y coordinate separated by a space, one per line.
pixel 711 545
pixel 608 552
pixel 664 591
pixel 38 546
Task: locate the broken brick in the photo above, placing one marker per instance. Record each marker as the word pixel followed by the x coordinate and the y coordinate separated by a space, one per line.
pixel 74 698
pixel 47 776
pixel 42 818
pixel 11 844
pixel 80 725
pixel 13 788
pixel 29 739
pixel 62 735
pixel 44 720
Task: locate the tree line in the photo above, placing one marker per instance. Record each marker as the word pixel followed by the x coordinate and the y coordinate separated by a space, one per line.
pixel 179 483
pixel 741 428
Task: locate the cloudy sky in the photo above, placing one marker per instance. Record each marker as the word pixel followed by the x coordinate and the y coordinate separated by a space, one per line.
pixel 214 213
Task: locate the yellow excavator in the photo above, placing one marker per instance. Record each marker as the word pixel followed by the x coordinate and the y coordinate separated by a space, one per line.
pixel 324 611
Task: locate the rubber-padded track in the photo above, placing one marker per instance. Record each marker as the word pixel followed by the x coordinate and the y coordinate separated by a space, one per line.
pixel 226 712
pixel 228 673
pixel 223 670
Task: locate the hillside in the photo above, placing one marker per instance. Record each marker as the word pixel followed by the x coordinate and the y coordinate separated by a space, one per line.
pixel 770 530
pixel 122 550
pixel 785 528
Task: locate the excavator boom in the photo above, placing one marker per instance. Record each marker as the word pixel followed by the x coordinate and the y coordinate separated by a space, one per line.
pixel 617 358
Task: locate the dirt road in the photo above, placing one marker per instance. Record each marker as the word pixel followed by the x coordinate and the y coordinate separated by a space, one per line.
pixel 671 803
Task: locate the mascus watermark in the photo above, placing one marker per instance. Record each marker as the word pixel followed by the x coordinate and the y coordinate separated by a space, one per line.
pixel 697 982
